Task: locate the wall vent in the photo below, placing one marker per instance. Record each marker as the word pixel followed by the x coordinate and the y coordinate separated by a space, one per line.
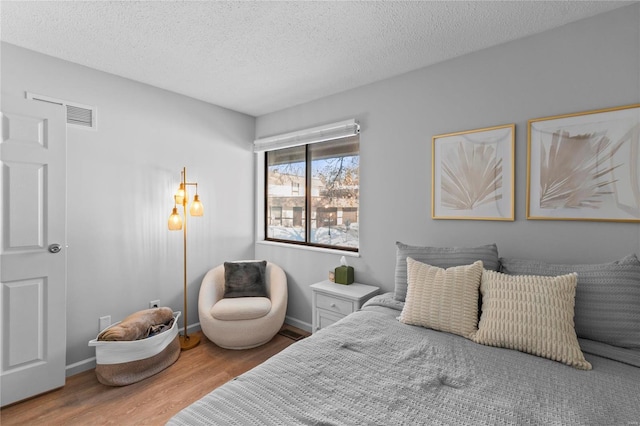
pixel 78 115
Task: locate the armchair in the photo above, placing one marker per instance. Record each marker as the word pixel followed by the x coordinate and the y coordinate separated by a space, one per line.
pixel 242 322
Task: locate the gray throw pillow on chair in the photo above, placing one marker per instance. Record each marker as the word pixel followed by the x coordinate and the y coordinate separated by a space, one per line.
pixel 245 279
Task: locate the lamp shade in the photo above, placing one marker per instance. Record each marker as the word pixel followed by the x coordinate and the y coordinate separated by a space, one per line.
pixel 175 221
pixel 181 194
pixel 196 207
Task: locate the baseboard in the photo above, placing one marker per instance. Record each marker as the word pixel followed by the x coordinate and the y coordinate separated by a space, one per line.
pixel 80 366
pixel 297 323
pixel 90 363
pixel 192 328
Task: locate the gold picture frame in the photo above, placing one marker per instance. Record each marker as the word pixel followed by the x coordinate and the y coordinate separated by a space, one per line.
pixel 585 166
pixel 472 174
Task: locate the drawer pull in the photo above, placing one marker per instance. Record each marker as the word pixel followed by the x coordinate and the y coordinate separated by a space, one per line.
pixel 333 304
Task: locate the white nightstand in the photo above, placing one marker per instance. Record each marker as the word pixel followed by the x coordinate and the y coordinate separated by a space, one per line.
pixel 332 302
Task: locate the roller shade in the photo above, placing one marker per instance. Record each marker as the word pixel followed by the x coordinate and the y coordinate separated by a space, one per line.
pixel 323 133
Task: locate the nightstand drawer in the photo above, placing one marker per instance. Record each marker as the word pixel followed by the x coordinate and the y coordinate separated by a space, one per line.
pixel 334 304
pixel 325 319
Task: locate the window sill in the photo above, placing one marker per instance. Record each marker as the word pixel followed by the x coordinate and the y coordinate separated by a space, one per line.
pixel 309 248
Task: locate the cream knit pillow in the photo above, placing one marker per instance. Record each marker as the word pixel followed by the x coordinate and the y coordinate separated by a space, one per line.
pixel 443 299
pixel 532 314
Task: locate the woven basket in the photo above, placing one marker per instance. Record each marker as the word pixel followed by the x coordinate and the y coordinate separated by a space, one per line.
pixel 122 363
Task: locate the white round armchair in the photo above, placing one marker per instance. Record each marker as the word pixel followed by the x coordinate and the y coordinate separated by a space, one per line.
pixel 242 322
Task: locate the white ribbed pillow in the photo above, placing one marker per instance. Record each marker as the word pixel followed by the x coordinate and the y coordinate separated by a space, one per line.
pixel 532 314
pixel 443 299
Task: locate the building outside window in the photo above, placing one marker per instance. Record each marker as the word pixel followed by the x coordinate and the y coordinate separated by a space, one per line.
pixel 312 194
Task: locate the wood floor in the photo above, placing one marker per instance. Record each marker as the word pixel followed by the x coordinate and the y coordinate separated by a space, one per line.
pixel 153 401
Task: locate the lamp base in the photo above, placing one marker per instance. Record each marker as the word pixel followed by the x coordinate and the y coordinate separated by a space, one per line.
pixel 189 342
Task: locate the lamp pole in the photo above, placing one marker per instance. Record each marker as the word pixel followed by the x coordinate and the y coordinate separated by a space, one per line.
pixel 177 223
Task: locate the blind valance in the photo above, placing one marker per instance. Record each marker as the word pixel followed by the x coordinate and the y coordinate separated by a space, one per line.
pixel 323 133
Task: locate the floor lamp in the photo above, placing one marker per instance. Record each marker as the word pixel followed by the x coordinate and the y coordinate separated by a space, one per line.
pixel 176 223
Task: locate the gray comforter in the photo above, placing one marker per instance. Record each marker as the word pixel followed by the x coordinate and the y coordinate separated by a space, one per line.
pixel 370 369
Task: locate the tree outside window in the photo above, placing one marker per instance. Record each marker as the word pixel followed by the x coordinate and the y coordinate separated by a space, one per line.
pixel 315 190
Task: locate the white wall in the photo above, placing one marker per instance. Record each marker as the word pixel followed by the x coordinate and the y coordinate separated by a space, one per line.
pixel 121 180
pixel 591 64
pixel 122 177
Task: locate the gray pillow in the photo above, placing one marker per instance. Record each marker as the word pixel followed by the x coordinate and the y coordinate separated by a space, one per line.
pixel 607 297
pixel 245 279
pixel 616 353
pixel 442 257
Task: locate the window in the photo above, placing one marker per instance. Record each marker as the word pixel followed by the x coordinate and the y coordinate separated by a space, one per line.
pixel 312 194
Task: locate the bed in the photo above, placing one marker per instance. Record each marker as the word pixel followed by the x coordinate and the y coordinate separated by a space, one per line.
pixel 373 367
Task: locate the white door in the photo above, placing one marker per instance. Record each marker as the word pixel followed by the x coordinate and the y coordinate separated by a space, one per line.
pixel 32 250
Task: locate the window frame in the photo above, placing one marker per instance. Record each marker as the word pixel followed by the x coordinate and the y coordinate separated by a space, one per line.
pixel 307 217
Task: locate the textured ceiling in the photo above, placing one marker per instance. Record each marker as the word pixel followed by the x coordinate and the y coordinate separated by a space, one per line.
pixel 257 57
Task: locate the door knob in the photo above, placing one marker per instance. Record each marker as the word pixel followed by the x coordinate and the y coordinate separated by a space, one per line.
pixel 55 248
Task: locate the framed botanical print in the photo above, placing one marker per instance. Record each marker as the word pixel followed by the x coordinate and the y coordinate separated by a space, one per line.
pixel 473 174
pixel 585 166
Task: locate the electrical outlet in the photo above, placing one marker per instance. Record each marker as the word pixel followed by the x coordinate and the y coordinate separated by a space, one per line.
pixel 154 304
pixel 104 322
